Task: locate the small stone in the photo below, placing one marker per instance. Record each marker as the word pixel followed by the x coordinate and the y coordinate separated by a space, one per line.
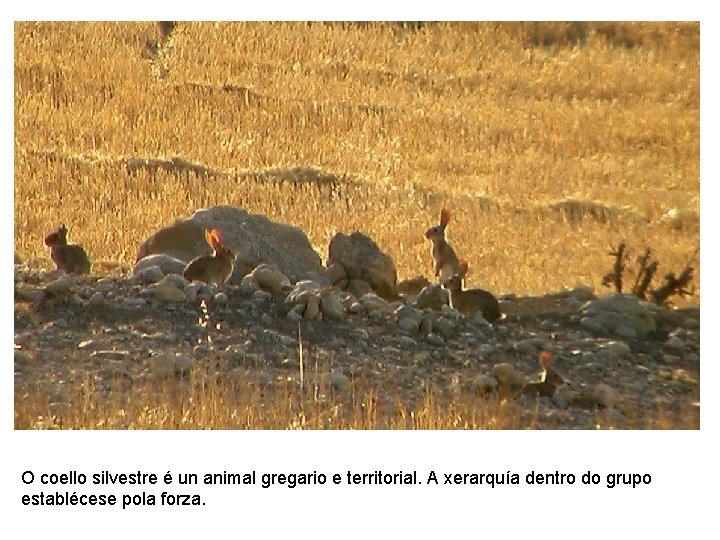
pixel 220 299
pixel 592 324
pixel 166 263
pixel 452 313
pixel 338 381
pixel 134 303
pixel 96 300
pixel 444 327
pixel 372 303
pixel 191 291
pixel 22 358
pixel 432 297
pixel 178 280
pixel 409 312
pixel 605 395
pixel 582 293
pixel 360 334
pixel 295 314
pixel 147 275
pixel 288 341
pixel 409 324
pixel 200 351
pixel 616 349
pixel 302 291
pixel 270 278
pixel 484 384
pixel 32 295
pixel 332 307
pixel 625 331
pixel 358 287
pixel 23 340
pixel 167 291
pixel 412 286
pixel 334 273
pixel 312 308
pixel 248 285
pixel 485 348
pixel 406 342
pixel 261 296
pixel 111 355
pixel 434 339
pixel 355 308
pixel 267 319
pixel 183 362
pixel 506 374
pixel 61 285
pixel 162 365
pixel 530 346
pixel 427 324
pixel 499 330
pixel 675 343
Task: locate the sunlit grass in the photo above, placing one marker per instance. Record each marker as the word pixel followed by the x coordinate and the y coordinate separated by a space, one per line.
pixel 474 117
pixel 207 400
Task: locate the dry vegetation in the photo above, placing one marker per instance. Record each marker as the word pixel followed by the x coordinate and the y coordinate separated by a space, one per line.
pixel 551 142
pixel 203 400
pixel 549 154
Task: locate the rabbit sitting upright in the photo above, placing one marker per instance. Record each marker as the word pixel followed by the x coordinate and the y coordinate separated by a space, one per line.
pixel 71 258
pixel 445 261
pixel 215 268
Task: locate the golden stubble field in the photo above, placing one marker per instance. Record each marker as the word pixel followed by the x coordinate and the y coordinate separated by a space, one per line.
pixel 550 142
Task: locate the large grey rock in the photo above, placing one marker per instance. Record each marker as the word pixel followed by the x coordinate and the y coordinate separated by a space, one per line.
pixel 254 239
pixel 621 314
pixel 362 259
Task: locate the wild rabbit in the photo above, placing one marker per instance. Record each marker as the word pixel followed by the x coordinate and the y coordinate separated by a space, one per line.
pixel 446 263
pixel 215 268
pixel 549 381
pixel 68 257
pixel 470 301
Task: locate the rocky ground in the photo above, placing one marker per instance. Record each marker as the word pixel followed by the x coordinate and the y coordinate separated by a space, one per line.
pixel 630 362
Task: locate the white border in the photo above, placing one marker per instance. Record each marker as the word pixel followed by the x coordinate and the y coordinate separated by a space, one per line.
pixel 682 463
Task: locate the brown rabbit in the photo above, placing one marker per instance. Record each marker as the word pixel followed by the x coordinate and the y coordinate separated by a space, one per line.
pixel 471 301
pixel 68 257
pixel 215 268
pixel 446 263
pixel 549 381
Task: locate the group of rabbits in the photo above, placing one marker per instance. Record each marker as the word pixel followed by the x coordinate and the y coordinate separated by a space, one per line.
pixel 450 271
pixel 213 269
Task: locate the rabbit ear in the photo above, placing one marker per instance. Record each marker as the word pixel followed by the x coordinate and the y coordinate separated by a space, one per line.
pixel 215 239
pixel 445 216
pixel 546 359
pixel 463 267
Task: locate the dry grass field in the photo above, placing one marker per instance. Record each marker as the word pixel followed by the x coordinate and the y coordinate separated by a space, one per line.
pixel 550 142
